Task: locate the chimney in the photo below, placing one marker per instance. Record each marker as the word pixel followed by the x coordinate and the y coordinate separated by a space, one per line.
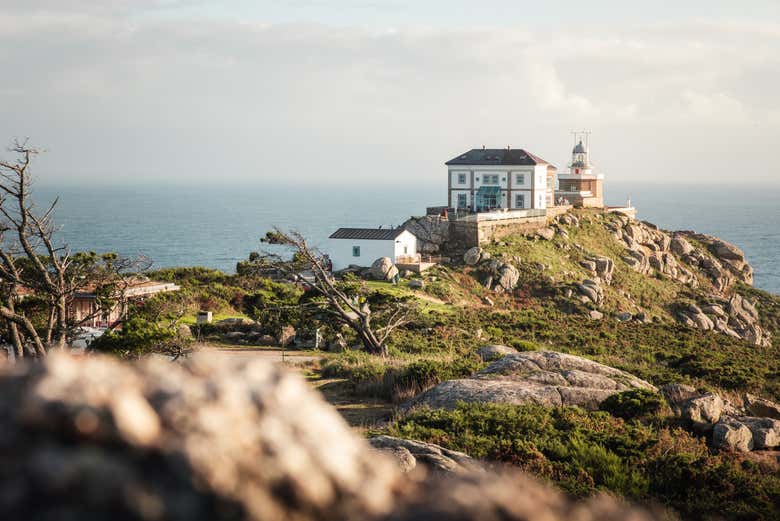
pixel 483 147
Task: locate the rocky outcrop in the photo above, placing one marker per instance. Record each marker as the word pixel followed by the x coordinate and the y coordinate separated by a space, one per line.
pixel 732 435
pixel 541 377
pixel 383 269
pixel 745 433
pixel 604 268
pixel 546 233
pixel 757 406
pixel 675 256
pixel 494 352
pixel 475 255
pixel 494 274
pixel 591 291
pixel 732 428
pixel 601 267
pixel 736 317
pixel 568 219
pixel 703 411
pixel 92 438
pixel 217 440
pixel 637 260
pixel 677 395
pixel 693 316
pixel 765 431
pixel 432 232
pixel 409 454
pixel 680 246
pixel 729 256
pixel 498 276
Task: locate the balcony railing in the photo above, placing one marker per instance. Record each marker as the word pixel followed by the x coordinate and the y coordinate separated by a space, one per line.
pixel 418 259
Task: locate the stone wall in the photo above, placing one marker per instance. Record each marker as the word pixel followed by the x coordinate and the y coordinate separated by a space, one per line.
pixel 463 235
pixel 467 234
pixel 497 230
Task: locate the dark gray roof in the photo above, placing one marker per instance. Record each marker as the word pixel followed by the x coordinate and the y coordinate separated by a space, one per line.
pixel 376 234
pixel 497 156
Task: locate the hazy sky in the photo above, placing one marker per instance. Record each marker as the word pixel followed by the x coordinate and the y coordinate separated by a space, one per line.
pixel 327 90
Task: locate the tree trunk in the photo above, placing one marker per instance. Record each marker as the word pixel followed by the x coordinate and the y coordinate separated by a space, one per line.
pixel 28 329
pixel 370 341
pixel 13 329
pixel 16 340
pixel 50 326
pixel 61 336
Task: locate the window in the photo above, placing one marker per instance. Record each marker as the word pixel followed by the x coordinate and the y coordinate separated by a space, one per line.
pixel 356 251
pixel 463 201
pixel 520 179
pixel 519 200
pixel 490 179
pixel 461 179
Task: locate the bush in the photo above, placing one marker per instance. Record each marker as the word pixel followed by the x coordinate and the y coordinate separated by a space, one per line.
pixel 585 452
pixel 395 381
pixel 410 380
pixel 636 403
pixel 138 336
pixel 440 290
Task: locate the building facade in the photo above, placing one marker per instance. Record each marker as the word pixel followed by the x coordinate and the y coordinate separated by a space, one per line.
pixel 581 187
pixel 362 246
pixel 85 310
pixel 482 180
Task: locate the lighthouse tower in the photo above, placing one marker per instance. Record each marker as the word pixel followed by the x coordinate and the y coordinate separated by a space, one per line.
pixel 581 186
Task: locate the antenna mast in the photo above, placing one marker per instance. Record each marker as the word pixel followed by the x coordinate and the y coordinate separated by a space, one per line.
pixel 585 134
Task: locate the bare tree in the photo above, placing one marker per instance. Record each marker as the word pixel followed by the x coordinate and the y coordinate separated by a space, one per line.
pixel 33 262
pixel 340 302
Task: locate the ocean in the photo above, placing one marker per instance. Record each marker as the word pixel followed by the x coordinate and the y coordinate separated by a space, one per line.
pixel 216 226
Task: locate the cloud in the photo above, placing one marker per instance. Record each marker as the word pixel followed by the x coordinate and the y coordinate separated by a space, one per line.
pixel 196 100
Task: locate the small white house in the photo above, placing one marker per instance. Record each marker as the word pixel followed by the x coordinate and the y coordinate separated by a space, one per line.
pixel 362 246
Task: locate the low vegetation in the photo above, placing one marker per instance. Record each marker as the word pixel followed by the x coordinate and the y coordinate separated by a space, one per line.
pixel 586 452
pixel 630 447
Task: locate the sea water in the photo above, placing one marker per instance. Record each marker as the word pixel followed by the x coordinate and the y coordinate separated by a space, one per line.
pixel 216 226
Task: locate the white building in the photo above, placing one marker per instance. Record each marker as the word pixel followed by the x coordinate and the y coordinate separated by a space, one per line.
pixel 362 246
pixel 488 179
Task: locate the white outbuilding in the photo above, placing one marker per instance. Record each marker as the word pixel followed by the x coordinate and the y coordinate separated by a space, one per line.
pixel 362 246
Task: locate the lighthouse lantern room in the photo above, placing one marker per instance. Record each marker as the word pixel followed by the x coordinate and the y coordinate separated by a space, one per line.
pixel 581 187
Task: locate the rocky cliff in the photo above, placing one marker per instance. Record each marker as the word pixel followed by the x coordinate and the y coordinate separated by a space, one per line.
pixel 589 256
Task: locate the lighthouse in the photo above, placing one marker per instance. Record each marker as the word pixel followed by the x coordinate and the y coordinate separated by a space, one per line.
pixel 581 186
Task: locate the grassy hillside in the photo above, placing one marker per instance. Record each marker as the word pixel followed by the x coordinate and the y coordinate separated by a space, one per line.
pixel 648 458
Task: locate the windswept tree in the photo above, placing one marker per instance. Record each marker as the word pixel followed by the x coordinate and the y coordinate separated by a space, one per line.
pixel 35 265
pixel 372 316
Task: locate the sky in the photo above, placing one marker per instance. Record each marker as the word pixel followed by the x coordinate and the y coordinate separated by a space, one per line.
pixel 378 92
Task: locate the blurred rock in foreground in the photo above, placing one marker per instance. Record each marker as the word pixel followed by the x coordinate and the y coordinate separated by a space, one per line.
pixel 96 438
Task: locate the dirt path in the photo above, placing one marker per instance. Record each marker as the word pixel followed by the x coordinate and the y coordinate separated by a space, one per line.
pixel 272 354
pixel 361 413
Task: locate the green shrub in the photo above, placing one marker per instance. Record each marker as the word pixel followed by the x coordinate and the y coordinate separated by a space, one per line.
pixel 356 366
pixel 439 289
pixel 137 336
pixel 524 345
pixel 395 380
pixel 410 380
pixel 636 403
pixel 585 452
